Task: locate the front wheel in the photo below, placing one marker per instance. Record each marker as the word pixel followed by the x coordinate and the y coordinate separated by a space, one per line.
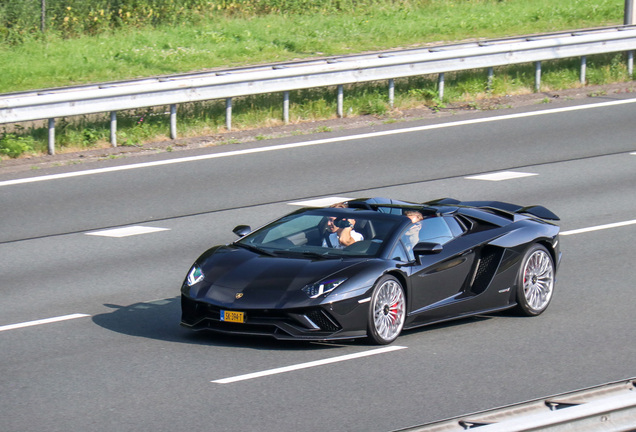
pixel 387 311
pixel 536 281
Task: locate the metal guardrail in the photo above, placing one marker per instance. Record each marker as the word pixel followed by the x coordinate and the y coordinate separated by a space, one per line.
pixel 609 407
pixel 334 71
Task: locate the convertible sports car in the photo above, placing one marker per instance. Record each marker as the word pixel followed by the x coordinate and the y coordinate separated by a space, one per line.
pixel 373 267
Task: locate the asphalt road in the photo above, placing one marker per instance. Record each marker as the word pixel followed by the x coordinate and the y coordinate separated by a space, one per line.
pixel 125 364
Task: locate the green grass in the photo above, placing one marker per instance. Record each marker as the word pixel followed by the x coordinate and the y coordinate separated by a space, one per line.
pixel 221 40
pixel 216 34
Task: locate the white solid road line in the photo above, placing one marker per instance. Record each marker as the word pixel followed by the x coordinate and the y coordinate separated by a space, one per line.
pixel 308 365
pixel 599 227
pixel 312 143
pixel 42 321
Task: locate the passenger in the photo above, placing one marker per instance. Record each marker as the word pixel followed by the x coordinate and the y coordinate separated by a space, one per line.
pixel 414 215
pixel 412 235
pixel 339 233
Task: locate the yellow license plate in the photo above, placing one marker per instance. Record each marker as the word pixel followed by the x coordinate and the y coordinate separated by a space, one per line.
pixel 232 316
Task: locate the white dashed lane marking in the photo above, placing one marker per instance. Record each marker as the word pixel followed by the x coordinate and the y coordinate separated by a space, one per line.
pixel 599 228
pixel 307 365
pixel 320 202
pixel 134 230
pixel 127 231
pixel 41 321
pixel 502 175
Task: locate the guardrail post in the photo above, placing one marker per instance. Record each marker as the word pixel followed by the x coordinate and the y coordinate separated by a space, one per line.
pixel 583 69
pixel 391 92
pixel 491 76
pixel 43 16
pixel 228 114
pixel 440 86
pixel 286 107
pixel 113 128
pixel 630 13
pixel 537 76
pixel 340 101
pixel 173 121
pixel 51 136
pixel 630 64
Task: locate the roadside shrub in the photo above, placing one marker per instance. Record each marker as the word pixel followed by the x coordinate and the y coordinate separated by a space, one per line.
pixel 377 107
pixel 15 146
pixel 90 136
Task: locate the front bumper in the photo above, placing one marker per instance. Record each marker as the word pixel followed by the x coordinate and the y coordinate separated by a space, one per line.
pixel 345 320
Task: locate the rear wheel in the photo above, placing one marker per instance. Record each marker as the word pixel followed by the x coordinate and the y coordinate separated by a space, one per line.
pixel 536 281
pixel 387 311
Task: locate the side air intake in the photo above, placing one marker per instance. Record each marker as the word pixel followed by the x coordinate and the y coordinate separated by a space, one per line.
pixel 488 263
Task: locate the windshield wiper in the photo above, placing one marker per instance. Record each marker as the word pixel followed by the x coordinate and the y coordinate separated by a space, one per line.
pixel 319 255
pixel 255 249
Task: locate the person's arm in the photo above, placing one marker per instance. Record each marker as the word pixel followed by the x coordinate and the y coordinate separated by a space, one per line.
pixel 344 235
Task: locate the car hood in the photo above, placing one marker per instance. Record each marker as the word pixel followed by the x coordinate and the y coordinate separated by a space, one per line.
pixel 241 279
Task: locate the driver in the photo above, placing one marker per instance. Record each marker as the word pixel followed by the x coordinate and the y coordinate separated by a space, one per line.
pixel 339 233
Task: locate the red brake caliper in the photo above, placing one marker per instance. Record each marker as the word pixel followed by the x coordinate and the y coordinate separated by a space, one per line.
pixel 393 310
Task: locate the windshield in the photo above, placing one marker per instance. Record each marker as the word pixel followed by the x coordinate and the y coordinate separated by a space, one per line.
pixel 324 233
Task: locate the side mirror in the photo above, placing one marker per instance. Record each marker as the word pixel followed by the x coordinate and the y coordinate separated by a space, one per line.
pixel 242 230
pixel 426 248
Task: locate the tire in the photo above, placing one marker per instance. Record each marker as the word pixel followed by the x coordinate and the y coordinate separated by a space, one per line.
pixel 387 311
pixel 535 284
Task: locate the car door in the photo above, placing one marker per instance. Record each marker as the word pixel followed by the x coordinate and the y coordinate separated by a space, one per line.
pixel 437 279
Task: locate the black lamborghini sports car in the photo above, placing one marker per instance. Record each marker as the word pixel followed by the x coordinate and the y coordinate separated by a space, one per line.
pixel 373 267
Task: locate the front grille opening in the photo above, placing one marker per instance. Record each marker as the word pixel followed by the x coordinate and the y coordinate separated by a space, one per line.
pixel 322 320
pixel 191 311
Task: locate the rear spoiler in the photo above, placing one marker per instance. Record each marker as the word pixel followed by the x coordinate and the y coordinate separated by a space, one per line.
pixel 540 212
pixel 534 210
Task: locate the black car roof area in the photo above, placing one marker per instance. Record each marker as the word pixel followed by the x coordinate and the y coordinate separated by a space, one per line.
pixel 445 206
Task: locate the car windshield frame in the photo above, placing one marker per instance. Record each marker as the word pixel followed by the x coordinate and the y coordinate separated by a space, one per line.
pixel 300 234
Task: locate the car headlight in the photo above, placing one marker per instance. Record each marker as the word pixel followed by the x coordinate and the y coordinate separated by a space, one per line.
pixel 195 276
pixel 324 287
